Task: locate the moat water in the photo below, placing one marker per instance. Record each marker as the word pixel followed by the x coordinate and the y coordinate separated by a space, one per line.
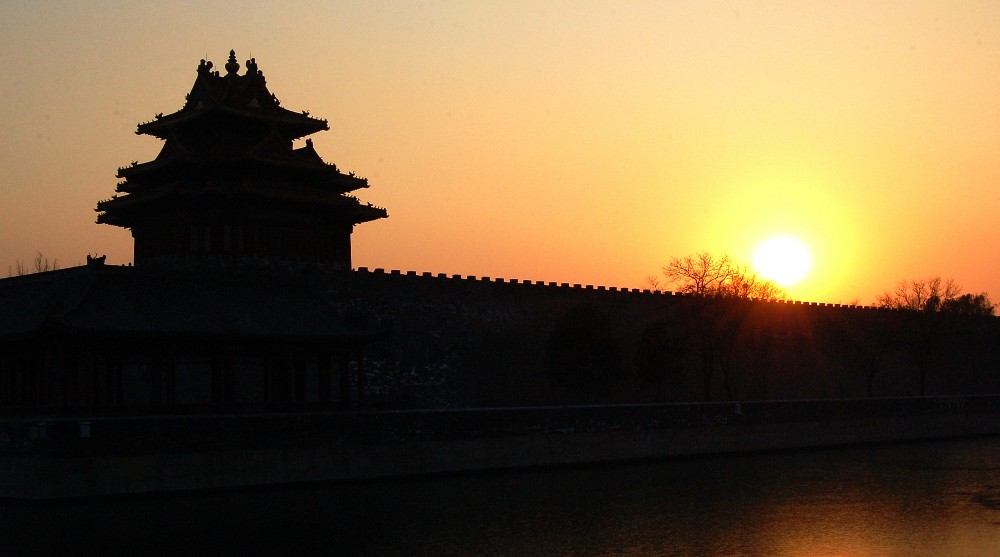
pixel 938 499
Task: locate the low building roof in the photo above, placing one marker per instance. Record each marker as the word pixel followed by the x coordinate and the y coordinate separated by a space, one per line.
pixel 182 302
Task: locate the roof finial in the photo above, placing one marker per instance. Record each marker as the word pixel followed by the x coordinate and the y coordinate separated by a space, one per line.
pixel 232 66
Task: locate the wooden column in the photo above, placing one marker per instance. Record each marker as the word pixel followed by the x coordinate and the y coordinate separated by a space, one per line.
pixel 169 381
pixel 345 381
pixel 94 381
pixel 113 380
pixel 5 368
pixel 64 374
pixel 156 380
pixel 222 378
pixel 299 381
pixel 278 378
pixel 361 378
pixel 218 379
pixel 323 365
pixel 71 371
pixel 229 378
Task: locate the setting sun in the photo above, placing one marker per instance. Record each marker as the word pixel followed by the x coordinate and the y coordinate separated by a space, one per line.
pixel 783 259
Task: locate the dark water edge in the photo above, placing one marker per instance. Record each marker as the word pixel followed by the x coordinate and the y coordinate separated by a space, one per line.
pixel 918 499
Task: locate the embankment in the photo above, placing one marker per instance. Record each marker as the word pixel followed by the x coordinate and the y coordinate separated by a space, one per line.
pixel 102 457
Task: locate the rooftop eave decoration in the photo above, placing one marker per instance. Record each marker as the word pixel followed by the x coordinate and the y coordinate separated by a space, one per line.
pixel 295 123
pixel 233 140
pixel 246 95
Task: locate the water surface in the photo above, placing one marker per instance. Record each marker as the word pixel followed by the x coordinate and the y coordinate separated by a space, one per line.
pixel 913 500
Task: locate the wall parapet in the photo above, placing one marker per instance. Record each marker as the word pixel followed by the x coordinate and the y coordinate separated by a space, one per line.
pixel 566 287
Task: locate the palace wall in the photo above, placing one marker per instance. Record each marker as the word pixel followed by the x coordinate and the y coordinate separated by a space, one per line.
pixel 514 374
pixel 459 341
pixel 293 338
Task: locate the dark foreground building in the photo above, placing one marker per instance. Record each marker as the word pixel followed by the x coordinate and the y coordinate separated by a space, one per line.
pixel 133 340
pixel 232 226
pixel 242 348
pixel 228 184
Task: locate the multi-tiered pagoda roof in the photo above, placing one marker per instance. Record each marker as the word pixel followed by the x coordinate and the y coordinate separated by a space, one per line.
pixel 229 184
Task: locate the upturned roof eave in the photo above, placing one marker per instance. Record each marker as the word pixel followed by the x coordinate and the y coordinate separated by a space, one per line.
pixel 328 176
pixel 299 124
pixel 117 211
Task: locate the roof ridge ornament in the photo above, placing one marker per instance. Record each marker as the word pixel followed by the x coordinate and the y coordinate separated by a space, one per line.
pixel 232 66
pixel 205 67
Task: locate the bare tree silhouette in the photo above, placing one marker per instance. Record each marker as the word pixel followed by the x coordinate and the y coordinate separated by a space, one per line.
pixel 931 298
pixel 710 275
pixel 920 295
pixel 719 319
pixel 40 264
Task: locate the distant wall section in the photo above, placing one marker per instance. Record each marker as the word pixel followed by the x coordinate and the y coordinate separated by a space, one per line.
pixel 459 341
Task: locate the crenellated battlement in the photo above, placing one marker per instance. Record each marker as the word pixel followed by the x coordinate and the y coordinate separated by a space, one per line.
pixel 539 285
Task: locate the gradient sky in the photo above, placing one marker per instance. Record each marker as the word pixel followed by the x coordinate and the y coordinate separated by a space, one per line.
pixel 581 142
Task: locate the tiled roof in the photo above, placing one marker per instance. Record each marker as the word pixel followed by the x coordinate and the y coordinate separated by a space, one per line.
pixel 244 95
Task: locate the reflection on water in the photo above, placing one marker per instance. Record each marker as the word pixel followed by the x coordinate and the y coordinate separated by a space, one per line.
pixel 931 499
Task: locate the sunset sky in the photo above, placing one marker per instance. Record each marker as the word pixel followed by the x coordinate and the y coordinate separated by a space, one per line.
pixel 581 142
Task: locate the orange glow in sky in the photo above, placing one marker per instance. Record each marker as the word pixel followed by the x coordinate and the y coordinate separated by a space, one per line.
pixel 583 142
